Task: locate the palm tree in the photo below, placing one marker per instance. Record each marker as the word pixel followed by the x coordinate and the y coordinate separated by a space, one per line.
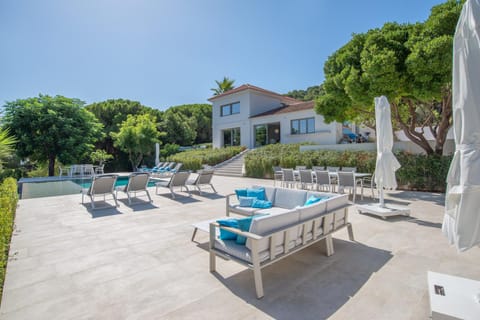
pixel 223 86
pixel 7 143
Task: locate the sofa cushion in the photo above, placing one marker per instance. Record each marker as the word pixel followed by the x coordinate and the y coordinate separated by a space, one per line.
pixel 311 200
pixel 273 211
pixel 242 210
pixel 241 193
pixel 244 225
pixel 256 193
pixel 261 204
pixel 269 192
pixel 265 225
pixel 246 201
pixel 225 234
pixel 288 198
pixel 337 201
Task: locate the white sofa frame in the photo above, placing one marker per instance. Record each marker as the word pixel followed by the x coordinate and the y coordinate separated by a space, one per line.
pixel 330 222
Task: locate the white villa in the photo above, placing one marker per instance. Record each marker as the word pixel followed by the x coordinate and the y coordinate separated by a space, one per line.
pixel 253 117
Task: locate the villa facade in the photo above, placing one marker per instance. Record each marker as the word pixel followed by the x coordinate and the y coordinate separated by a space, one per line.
pixel 254 117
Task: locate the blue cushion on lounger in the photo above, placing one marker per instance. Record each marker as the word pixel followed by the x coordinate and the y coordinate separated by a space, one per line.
pixel 257 193
pixel 246 201
pixel 241 193
pixel 262 204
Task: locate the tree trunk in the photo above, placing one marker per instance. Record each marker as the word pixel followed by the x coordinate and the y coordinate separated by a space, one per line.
pixel 51 165
pixel 409 129
pixel 445 122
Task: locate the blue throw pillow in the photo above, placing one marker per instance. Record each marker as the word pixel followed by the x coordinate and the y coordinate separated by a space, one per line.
pixel 241 193
pixel 246 201
pixel 244 225
pixel 262 204
pixel 227 235
pixel 313 200
pixel 257 193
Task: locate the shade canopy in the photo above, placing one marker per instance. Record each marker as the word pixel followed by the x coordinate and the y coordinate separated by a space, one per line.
pixel 461 223
pixel 386 164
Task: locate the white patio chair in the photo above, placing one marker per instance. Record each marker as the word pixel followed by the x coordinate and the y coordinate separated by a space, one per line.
pixel 137 182
pixel 369 182
pixel 177 180
pixel 101 186
pixel 347 180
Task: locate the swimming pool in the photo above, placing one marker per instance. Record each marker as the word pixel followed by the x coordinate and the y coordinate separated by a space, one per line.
pixel 58 186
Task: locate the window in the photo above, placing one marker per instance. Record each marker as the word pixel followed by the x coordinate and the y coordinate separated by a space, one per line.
pixel 303 126
pixel 229 109
pixel 231 137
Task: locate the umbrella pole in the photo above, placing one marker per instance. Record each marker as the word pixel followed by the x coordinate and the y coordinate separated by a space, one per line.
pixel 380 196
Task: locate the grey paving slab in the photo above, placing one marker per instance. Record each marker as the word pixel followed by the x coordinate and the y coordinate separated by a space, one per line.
pixel 67 262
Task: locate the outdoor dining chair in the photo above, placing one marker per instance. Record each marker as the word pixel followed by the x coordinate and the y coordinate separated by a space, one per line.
pixel 306 180
pixel 137 182
pixel 277 175
pixel 369 182
pixel 288 178
pixel 101 186
pixel 347 180
pixel 323 181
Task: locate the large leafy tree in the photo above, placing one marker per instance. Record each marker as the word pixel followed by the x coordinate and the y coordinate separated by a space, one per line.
pixel 223 86
pixel 408 63
pixel 47 128
pixel 112 113
pixel 198 117
pixel 137 136
pixel 306 95
pixel 179 128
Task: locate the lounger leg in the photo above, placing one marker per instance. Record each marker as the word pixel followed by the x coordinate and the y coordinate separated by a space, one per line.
pixel 329 245
pixel 92 203
pixel 173 193
pixel 211 185
pixel 115 199
pixel 257 275
pixel 148 195
pixel 194 233
pixel 129 199
pixel 211 244
pixel 350 232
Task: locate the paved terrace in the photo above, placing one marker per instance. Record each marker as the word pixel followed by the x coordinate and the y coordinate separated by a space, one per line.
pixel 69 263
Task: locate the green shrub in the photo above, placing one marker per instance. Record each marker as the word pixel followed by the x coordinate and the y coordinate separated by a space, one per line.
pixel 194 159
pixel 8 205
pixel 418 172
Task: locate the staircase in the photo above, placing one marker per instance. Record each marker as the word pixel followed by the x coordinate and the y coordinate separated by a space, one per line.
pixel 231 167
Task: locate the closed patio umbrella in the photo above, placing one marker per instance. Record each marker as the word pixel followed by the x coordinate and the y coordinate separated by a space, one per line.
pixel 157 153
pixel 386 164
pixel 461 224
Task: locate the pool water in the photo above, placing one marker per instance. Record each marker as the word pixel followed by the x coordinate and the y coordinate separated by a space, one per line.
pixel 49 188
pixel 121 181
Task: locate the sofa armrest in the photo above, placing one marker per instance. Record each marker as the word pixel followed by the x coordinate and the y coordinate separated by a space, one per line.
pixel 239 232
pixel 228 202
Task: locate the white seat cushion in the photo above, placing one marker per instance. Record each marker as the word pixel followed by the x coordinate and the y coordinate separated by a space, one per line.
pixel 289 199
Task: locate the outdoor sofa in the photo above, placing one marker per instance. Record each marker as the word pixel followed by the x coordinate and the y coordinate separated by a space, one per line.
pixel 285 228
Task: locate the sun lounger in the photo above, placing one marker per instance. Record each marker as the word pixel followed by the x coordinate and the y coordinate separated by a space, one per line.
pixel 204 178
pixel 177 180
pixel 137 182
pixel 101 186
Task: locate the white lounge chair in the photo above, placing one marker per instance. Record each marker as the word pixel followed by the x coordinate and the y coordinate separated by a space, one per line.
pixel 177 180
pixel 101 186
pixel 204 178
pixel 137 182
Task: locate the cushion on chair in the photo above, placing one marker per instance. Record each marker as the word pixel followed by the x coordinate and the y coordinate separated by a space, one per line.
pixel 225 234
pixel 288 198
pixel 262 204
pixel 246 201
pixel 269 192
pixel 241 193
pixel 311 200
pixel 257 193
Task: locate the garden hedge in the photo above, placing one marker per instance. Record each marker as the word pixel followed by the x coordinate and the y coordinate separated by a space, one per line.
pixel 194 159
pixel 418 172
pixel 8 205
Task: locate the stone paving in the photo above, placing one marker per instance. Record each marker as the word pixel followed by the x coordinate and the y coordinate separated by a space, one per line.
pixel 67 262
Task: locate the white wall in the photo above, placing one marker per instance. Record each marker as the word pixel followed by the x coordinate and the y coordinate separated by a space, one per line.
pixel 260 103
pixel 324 133
pixel 240 120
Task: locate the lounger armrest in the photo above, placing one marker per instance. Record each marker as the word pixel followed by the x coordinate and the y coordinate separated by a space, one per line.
pixel 228 203
pixel 246 234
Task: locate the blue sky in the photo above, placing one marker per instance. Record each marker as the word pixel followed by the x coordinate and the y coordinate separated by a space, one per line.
pixel 166 53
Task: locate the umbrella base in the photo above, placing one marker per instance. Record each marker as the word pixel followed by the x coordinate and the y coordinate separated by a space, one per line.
pixel 384 212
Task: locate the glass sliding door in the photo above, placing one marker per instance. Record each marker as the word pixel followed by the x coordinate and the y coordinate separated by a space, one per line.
pixel 231 137
pixel 267 134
